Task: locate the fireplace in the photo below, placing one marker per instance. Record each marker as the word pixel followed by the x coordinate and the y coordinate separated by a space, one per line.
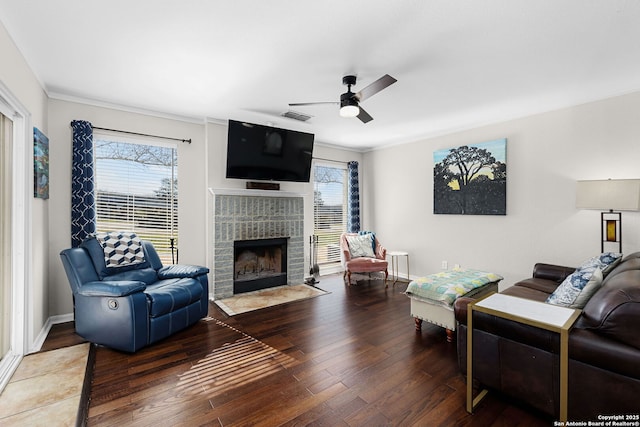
pixel 259 264
pixel 252 215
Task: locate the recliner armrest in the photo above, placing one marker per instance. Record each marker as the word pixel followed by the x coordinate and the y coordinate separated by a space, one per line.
pixel 111 288
pixel 181 271
pixel 460 308
pixel 557 273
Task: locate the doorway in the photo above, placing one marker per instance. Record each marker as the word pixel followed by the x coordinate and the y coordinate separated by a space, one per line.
pixel 16 190
pixel 6 136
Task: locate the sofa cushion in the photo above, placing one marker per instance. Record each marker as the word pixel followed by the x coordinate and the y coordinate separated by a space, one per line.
pixel 365 265
pixel 630 262
pixel 526 292
pixel 361 245
pixel 615 309
pixel 542 285
pixel 590 273
pixel 169 295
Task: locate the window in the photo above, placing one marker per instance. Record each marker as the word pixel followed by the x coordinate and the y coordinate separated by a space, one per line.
pixel 137 190
pixel 329 210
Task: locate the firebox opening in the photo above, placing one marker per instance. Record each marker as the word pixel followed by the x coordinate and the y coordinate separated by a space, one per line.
pixel 259 264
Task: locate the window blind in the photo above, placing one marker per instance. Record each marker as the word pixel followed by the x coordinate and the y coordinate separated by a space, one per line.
pixel 329 210
pixel 137 190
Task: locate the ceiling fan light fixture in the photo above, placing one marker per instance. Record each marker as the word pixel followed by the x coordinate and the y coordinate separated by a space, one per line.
pixel 349 111
pixel 350 102
pixel 349 107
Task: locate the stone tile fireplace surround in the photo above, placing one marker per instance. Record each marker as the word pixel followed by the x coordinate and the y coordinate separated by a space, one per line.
pixel 254 214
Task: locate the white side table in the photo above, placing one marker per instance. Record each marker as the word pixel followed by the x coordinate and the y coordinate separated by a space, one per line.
pixel 394 263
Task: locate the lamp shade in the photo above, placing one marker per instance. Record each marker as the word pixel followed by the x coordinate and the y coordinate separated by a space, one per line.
pixel 609 194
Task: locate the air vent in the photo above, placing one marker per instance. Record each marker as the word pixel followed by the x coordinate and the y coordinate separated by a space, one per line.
pixel 296 116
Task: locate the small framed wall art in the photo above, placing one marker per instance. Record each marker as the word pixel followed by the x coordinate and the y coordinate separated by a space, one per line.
pixel 40 164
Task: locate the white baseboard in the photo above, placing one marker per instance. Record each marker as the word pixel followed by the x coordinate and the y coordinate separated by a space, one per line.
pixel 42 336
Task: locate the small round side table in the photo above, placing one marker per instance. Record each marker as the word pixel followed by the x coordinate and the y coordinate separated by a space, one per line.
pixel 394 263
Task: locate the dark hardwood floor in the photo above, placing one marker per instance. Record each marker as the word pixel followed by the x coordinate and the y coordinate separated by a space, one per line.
pixel 349 358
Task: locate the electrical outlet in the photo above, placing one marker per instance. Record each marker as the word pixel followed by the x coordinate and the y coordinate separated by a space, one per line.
pixel 445 265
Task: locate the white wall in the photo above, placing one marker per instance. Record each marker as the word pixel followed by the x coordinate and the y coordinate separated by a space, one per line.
pixel 546 155
pixel 16 75
pixel 191 183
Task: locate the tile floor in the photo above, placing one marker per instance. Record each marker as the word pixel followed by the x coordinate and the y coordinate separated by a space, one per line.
pixel 249 301
pixel 45 389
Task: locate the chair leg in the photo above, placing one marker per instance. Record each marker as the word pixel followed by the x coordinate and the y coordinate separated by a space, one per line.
pixel 386 276
pixel 450 335
pixel 345 278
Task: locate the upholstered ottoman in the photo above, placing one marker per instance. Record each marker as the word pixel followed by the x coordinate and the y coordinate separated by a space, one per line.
pixel 432 296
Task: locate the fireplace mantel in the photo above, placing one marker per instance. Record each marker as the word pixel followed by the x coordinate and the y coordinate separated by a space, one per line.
pixel 255 193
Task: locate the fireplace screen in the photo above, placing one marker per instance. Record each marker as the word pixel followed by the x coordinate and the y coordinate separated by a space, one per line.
pixel 259 264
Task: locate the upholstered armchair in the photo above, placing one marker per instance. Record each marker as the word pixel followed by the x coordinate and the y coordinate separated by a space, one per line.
pixel 362 253
pixel 124 298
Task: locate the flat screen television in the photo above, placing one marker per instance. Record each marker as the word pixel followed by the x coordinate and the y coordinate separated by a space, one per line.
pixel 264 153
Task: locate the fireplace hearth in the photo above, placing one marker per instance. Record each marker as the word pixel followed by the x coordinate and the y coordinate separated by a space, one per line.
pixel 259 264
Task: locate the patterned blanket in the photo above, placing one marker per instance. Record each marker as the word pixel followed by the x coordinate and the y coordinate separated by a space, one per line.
pixel 445 287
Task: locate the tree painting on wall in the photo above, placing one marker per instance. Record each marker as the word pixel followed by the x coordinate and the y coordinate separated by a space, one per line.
pixel 471 179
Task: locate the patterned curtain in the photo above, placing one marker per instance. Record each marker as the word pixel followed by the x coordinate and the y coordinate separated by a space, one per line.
pixel 353 209
pixel 83 207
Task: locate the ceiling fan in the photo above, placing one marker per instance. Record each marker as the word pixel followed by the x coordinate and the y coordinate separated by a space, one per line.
pixel 350 102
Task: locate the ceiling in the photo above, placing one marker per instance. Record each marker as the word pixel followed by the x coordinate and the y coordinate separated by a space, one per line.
pixel 459 63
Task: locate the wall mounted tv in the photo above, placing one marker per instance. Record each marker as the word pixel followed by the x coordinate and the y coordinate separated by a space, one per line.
pixel 264 153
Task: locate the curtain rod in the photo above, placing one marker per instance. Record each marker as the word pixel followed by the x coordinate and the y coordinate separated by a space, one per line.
pixel 330 160
pixel 143 134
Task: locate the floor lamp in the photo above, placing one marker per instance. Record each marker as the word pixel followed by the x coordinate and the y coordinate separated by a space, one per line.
pixel 610 196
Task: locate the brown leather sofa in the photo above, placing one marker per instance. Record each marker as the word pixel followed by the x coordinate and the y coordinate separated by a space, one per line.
pixel 604 347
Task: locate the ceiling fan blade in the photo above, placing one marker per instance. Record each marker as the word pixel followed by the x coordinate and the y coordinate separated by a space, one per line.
pixel 375 87
pixel 364 116
pixel 301 104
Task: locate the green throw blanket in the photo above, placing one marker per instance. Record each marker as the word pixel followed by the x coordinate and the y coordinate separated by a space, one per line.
pixel 445 287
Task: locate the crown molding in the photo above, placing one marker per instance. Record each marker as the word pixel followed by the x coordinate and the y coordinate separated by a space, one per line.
pixel 125 108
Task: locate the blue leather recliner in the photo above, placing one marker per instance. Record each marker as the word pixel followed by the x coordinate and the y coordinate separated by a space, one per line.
pixel 134 304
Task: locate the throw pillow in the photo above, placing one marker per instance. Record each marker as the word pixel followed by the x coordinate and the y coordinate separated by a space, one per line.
pixel 121 248
pixel 566 294
pixel 373 238
pixel 573 286
pixel 361 246
pixel 606 261
pixel 589 289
